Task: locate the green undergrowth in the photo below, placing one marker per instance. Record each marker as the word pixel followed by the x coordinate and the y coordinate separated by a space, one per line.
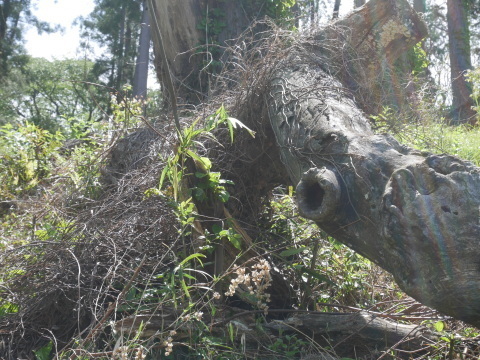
pixel 431 136
pixel 322 274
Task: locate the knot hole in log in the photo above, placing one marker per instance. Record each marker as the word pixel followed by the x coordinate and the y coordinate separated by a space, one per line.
pixel 318 194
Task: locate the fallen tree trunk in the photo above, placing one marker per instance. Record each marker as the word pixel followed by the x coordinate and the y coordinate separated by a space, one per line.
pixel 416 215
pixel 353 334
pixel 357 333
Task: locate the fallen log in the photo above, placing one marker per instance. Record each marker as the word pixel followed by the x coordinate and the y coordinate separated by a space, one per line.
pixel 353 334
pixel 414 214
pixel 357 333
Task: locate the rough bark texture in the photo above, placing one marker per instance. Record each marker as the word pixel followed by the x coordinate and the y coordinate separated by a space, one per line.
pixel 356 333
pixel 362 48
pixel 460 61
pixel 187 35
pixel 178 40
pixel 414 214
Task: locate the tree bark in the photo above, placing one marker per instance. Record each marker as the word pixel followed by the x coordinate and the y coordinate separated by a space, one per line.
pixel 372 38
pixel 336 9
pixel 140 77
pixel 120 61
pixel 188 48
pixel 414 214
pixel 460 62
pixel 195 35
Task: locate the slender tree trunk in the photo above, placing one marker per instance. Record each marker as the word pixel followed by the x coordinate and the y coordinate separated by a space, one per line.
pixel 4 14
pixel 129 51
pixel 140 77
pixel 313 12
pixel 460 61
pixel 121 51
pixel 336 9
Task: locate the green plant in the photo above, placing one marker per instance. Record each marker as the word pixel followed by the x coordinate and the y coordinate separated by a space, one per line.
pixel 44 352
pixel 186 162
pixel 7 308
pixel 324 270
pixel 288 345
pixel 431 135
pixel 26 157
pixel 473 76
pixel 280 10
pixel 419 59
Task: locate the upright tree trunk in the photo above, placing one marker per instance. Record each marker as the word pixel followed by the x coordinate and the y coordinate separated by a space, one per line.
pixel 313 12
pixel 460 61
pixel 4 13
pixel 121 50
pixel 336 9
pixel 185 30
pixel 140 77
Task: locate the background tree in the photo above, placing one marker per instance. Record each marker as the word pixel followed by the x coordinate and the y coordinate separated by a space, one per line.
pixel 13 15
pixel 115 26
pixel 53 95
pixel 460 60
pixel 140 78
pixel 195 49
pixel 336 9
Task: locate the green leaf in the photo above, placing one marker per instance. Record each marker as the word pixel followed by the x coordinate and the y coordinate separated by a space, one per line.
pixel 224 196
pixel 223 233
pixel 292 251
pixel 231 331
pixel 200 175
pixel 44 352
pixel 206 162
pixel 8 308
pixel 318 276
pixel 439 326
pixel 192 256
pixel 199 193
pixel 236 241
pixel 188 276
pixel 216 228
pixel 185 288
pixel 162 177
